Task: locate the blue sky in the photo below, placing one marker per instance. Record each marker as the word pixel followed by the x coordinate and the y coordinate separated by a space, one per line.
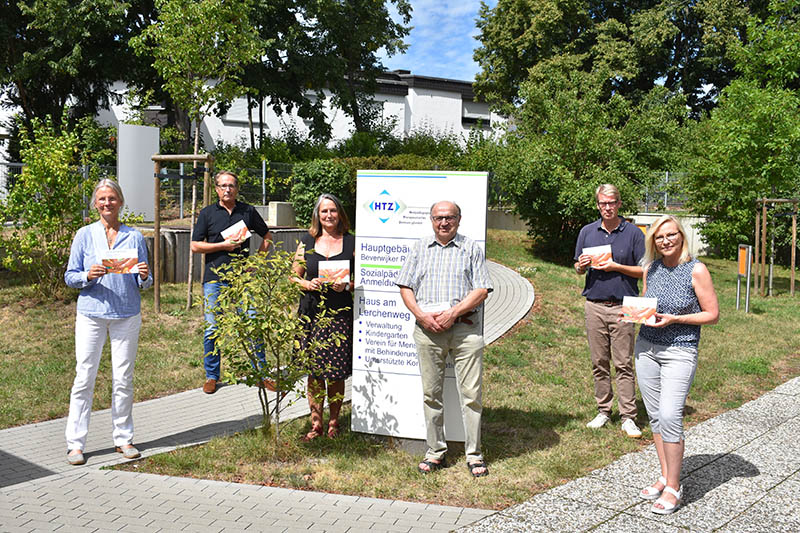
pixel 442 40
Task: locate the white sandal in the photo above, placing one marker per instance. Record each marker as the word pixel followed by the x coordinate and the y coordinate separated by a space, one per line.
pixel 652 493
pixel 667 507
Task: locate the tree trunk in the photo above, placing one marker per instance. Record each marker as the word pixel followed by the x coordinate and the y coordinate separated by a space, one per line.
pixel 250 121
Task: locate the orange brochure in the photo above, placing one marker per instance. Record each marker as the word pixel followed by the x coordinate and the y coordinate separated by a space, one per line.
pixel 600 254
pixel 639 310
pixel 332 271
pixel 120 261
pixel 237 233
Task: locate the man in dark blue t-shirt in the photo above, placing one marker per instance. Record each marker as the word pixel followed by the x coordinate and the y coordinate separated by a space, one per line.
pixel 608 280
pixel 207 239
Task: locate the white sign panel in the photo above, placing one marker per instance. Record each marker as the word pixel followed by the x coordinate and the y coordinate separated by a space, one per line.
pixel 136 146
pixel 393 213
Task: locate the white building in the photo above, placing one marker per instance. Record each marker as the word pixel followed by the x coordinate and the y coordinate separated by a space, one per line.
pixel 413 103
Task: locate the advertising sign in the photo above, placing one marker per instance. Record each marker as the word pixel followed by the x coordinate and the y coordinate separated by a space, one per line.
pixel 393 213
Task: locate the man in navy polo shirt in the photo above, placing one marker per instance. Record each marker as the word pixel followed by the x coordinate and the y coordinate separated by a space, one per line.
pixel 207 239
pixel 606 284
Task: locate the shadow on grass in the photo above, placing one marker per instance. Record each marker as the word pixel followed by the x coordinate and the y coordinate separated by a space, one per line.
pixel 509 432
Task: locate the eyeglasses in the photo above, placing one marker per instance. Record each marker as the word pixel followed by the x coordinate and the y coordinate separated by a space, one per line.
pixel 669 236
pixel 607 204
pixel 226 186
pixel 449 218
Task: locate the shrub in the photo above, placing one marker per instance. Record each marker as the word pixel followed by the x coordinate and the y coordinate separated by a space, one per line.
pixel 45 207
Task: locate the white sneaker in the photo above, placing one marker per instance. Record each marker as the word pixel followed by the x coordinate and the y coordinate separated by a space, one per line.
pixel 629 427
pixel 598 421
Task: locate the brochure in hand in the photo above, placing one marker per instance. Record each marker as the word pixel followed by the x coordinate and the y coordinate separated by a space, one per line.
pixel 332 271
pixel 120 261
pixel 600 254
pixel 639 310
pixel 237 233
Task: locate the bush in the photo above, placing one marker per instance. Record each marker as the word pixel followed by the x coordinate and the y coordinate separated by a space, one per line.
pixel 45 207
pixel 313 178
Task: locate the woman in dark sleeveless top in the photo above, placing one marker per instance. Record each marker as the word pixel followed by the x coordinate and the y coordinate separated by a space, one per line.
pixel 666 352
pixel 328 239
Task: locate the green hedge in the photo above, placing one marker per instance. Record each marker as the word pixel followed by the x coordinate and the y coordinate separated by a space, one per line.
pixel 338 177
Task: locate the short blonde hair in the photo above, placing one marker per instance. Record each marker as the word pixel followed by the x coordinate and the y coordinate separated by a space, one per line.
pixel 607 189
pixel 651 252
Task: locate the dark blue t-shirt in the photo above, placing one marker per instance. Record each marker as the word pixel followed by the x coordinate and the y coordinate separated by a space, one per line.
pixel 627 248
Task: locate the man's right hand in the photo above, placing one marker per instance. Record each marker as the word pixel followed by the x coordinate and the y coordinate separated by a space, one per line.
pixel 584 262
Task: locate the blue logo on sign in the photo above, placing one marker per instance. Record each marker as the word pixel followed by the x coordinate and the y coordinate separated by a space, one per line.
pixel 385 206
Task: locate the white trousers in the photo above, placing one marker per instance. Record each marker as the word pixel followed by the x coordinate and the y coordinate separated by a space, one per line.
pixel 90 336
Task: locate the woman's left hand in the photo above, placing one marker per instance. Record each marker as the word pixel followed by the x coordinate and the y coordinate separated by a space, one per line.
pixel 338 286
pixel 144 271
pixel 664 319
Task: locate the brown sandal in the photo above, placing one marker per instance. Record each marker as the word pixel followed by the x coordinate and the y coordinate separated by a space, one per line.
pixel 316 431
pixel 333 429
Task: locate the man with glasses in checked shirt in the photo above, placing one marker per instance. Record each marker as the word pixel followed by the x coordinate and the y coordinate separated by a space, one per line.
pixel 607 283
pixel 443 283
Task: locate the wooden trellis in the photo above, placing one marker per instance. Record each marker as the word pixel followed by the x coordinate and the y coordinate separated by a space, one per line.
pixel 208 161
pixel 761 241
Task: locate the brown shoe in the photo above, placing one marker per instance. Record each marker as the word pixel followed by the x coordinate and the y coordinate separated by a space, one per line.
pixel 210 386
pixel 270 385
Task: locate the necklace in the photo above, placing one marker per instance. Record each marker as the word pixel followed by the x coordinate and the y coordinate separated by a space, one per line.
pixel 111 235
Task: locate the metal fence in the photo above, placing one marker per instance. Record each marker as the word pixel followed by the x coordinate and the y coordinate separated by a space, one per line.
pixel 666 194
pixel 271 182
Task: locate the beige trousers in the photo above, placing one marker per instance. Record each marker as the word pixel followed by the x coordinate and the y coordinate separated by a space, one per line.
pixel 464 343
pixel 611 341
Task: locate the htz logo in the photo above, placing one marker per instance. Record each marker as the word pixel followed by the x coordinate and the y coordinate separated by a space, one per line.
pixel 385 206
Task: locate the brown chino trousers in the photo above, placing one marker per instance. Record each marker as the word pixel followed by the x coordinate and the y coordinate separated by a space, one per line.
pixel 611 341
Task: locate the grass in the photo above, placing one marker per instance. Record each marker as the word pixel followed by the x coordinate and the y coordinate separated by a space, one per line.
pixel 37 360
pixel 538 392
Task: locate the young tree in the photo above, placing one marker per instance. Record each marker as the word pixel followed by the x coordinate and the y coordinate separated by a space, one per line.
pixel 257 311
pixel 201 48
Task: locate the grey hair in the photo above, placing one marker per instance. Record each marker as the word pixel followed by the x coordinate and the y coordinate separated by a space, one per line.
pixel 111 184
pixel 449 202
pixel 226 173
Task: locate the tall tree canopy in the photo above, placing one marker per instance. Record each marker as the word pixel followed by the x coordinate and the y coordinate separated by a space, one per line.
pixel 750 146
pixel 55 52
pixel 682 44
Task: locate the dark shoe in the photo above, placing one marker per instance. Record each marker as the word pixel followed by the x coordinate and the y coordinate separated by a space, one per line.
pixel 432 467
pixel 480 464
pixel 76 459
pixel 128 451
pixel 210 386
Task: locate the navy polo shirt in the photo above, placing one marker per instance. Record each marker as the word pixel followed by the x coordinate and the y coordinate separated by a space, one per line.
pixel 213 220
pixel 627 248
